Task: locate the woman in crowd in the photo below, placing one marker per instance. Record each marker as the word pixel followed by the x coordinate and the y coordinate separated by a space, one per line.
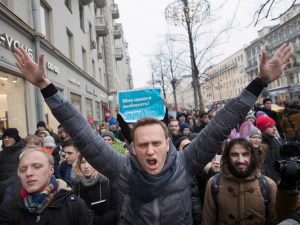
pixel 97 192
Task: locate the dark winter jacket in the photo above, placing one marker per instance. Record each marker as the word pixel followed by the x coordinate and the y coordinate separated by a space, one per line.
pixel 9 159
pixel 94 190
pixel 65 209
pixel 173 205
pixel 272 155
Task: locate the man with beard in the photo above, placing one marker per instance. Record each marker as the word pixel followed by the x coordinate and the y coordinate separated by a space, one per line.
pixel 240 197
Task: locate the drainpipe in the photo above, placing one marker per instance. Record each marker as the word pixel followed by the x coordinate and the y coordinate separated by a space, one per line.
pixel 39 101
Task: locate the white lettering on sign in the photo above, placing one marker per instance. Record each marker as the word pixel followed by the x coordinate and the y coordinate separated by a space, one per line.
pixel 74 81
pixel 10 43
pixel 53 68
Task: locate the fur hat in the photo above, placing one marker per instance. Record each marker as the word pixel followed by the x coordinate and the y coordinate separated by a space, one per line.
pixel 41 124
pixel 12 132
pixel 49 142
pixel 109 134
pixel 254 131
pixel 263 122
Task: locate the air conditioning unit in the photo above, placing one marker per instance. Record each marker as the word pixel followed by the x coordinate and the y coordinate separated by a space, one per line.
pixel 93 45
pixel 99 55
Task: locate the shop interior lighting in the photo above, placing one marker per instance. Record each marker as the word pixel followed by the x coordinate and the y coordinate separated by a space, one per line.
pixel 15 80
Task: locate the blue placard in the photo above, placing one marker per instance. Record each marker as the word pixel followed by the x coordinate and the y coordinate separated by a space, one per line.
pixel 136 104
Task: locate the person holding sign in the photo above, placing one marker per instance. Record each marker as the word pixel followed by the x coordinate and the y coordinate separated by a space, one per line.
pixel 154 182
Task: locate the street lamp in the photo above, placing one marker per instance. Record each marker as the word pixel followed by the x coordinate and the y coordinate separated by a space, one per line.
pixel 186 13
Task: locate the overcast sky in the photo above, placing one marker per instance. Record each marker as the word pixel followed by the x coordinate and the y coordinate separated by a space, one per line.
pixel 143 23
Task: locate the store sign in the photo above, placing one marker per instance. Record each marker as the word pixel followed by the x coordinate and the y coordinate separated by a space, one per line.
pixel 11 43
pixel 91 90
pixel 51 67
pixel 73 81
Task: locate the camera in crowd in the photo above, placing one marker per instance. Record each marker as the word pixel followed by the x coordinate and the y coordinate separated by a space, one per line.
pixel 288 169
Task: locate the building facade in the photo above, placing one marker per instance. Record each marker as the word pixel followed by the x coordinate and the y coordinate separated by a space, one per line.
pixel 287 87
pixel 227 78
pixel 86 57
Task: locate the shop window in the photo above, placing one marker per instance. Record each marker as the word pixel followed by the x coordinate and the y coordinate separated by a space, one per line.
pixel 89 108
pixel 76 101
pixel 13 103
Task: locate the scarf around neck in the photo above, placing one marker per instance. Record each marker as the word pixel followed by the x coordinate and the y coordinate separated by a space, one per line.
pixel 147 187
pixel 37 203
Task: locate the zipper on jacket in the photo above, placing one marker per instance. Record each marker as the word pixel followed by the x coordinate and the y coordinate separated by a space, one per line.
pixel 156 211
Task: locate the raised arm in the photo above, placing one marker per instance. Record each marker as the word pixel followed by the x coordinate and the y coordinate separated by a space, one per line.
pixel 94 149
pixel 203 148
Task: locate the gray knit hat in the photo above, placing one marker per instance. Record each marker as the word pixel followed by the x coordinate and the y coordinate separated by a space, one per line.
pixel 109 134
pixel 254 130
pixel 250 115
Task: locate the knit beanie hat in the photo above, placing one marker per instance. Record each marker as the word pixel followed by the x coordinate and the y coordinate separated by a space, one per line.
pixel 179 114
pixel 254 131
pixel 41 124
pixel 250 115
pixel 49 142
pixel 109 134
pixel 263 122
pixel 112 121
pixel 184 125
pixel 45 132
pixel 12 132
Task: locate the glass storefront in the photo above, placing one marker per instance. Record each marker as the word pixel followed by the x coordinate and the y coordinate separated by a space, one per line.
pixel 12 103
pixel 76 101
pixel 89 108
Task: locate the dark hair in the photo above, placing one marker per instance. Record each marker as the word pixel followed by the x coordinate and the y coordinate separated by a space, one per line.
pixel 202 114
pixel 68 142
pixel 267 100
pixel 149 121
pixel 243 142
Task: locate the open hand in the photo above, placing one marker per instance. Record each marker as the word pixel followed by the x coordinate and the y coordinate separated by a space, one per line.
pixel 32 71
pixel 272 69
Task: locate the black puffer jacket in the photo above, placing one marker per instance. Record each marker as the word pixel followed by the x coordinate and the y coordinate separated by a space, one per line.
pixel 65 209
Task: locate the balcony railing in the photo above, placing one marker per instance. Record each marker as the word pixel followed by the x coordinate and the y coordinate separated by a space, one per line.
pixel 100 3
pixel 100 26
pixel 117 31
pixel 115 11
pixel 118 54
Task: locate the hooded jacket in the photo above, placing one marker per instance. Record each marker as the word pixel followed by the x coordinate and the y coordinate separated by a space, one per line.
pixel 65 208
pixel 172 202
pixel 294 118
pixel 240 201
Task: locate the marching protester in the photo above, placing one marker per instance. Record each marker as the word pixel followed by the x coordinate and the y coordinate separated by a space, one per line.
pixel 43 199
pixel 97 192
pixel 155 175
pixel 9 157
pixel 239 194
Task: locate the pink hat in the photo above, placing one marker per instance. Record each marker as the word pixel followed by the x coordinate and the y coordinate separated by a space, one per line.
pixel 263 122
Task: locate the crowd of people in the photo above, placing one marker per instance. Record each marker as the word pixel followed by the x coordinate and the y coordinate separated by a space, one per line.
pixel 197 168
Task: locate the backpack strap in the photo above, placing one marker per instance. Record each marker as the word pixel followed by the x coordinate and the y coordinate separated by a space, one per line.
pixel 264 188
pixel 215 188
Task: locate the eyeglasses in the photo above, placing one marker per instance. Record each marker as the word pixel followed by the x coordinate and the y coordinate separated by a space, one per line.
pixel 256 138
